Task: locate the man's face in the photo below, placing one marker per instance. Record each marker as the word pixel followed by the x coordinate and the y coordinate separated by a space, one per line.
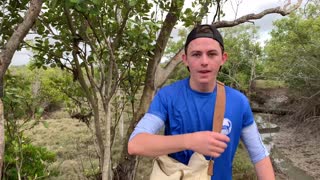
pixel 204 58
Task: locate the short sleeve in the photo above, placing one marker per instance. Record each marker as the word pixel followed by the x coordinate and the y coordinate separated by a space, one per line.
pixel 248 117
pixel 159 105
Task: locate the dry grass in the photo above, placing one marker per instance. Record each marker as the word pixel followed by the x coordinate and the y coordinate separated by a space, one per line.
pixel 72 142
pixel 264 84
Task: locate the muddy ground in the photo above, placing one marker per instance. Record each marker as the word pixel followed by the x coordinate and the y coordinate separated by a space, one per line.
pixel 300 147
pixel 297 140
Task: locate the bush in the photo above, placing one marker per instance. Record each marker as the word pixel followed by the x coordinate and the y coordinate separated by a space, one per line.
pixel 21 104
pixel 242 166
pixel 26 160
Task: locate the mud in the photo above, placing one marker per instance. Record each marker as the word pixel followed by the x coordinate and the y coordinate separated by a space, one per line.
pixel 300 147
pixel 298 142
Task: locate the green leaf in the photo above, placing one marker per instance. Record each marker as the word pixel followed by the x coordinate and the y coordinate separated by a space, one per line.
pixel 132 3
pixel 40 110
pixel 97 2
pixel 45 124
pixel 75 1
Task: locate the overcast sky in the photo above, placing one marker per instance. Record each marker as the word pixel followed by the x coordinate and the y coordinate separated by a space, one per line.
pixel 256 6
pixel 246 7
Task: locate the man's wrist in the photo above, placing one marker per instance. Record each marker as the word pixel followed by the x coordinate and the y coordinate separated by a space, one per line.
pixel 187 139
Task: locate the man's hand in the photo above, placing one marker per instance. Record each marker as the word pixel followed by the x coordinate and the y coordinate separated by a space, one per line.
pixel 207 143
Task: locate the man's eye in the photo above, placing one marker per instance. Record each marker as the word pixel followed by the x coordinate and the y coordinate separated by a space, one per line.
pixel 196 55
pixel 212 54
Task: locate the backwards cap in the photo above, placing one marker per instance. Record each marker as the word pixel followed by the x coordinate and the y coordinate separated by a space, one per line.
pixel 205 30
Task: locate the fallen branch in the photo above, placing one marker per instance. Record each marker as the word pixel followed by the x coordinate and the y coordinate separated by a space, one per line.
pixel 272 111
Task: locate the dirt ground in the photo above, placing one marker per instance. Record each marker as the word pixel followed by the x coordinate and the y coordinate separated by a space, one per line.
pixel 297 141
pixel 299 147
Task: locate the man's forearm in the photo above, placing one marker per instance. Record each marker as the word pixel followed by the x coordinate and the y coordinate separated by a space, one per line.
pixel 153 145
pixel 264 169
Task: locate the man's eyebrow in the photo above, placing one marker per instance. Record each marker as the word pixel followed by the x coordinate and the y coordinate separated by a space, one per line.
pixel 213 50
pixel 199 51
pixel 196 51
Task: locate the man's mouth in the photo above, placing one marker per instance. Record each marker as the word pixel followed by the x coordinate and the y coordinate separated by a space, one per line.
pixel 204 71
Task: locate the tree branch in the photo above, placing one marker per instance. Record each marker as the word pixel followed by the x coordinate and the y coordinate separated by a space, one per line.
pixel 218 10
pixel 6 55
pixel 278 10
pixel 162 74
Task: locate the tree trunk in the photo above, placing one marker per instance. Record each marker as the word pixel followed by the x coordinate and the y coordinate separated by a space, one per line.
pixel 252 75
pixel 126 169
pixel 6 55
pixel 127 166
pixel 106 170
pixel 2 143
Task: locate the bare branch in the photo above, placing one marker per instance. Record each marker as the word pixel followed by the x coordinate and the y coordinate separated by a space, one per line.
pixel 218 10
pixel 122 27
pixel 293 8
pixel 287 5
pixel 237 8
pixel 278 10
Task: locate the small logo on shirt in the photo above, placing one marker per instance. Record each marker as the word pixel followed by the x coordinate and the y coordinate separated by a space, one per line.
pixel 226 126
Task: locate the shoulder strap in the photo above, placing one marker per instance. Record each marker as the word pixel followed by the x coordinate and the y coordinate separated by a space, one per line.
pixel 218 116
pixel 219 107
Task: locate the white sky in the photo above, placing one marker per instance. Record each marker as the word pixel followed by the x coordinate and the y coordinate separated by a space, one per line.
pixel 255 6
pixel 246 7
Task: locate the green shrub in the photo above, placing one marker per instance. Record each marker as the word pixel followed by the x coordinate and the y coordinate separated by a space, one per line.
pixel 26 160
pixel 21 105
pixel 242 166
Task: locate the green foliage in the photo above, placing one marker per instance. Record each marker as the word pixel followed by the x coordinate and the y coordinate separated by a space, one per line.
pixel 93 22
pixel 180 72
pixel 21 104
pixel 199 9
pixel 244 56
pixel 242 166
pixel 29 91
pixel 18 97
pixel 25 159
pixel 265 84
pixel 292 54
pixel 66 90
pixel 175 44
pixel 50 91
pixel 11 14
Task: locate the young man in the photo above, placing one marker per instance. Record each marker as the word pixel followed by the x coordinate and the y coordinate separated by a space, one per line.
pixel 186 109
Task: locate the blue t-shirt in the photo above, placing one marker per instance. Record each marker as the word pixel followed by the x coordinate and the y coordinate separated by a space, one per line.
pixel 184 110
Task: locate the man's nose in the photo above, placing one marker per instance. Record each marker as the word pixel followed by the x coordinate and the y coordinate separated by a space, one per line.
pixel 204 60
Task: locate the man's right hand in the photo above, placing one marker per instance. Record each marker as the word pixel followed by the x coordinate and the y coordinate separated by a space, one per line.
pixel 207 143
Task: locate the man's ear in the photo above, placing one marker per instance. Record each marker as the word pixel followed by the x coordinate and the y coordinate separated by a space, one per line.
pixel 224 58
pixel 184 59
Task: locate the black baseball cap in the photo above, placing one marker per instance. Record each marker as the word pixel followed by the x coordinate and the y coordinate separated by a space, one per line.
pixel 205 30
